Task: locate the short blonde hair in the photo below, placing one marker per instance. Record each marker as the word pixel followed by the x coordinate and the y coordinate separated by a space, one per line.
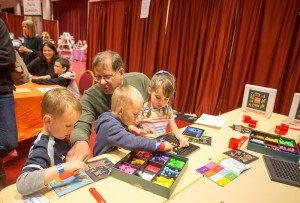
pixel 31 28
pixel 125 95
pixel 59 100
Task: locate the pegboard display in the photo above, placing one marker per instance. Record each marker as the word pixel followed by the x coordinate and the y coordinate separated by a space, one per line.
pixel 283 171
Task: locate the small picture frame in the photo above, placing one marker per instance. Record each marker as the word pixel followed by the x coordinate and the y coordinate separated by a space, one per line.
pixel 258 99
pixel 294 115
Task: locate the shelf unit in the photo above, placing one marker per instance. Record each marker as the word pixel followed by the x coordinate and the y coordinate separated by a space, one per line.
pixel 65 42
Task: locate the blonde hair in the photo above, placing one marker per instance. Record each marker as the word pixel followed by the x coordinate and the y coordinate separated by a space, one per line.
pixel 125 95
pixel 31 28
pixel 165 81
pixel 59 100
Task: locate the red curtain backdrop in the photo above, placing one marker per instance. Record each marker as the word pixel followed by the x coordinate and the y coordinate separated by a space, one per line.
pixel 212 47
pixel 265 52
pixel 145 37
pixel 119 27
pixel 107 23
pixel 72 16
pixel 51 26
pixel 15 24
pixel 197 48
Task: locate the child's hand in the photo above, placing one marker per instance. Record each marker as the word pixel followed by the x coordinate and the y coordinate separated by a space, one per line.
pixel 75 165
pixel 145 131
pixel 168 146
pixel 182 140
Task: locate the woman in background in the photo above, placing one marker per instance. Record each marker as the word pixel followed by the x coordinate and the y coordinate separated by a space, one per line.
pixel 32 43
pixel 42 66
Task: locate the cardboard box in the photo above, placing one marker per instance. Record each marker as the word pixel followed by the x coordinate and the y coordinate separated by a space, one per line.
pixel 273 145
pixel 148 171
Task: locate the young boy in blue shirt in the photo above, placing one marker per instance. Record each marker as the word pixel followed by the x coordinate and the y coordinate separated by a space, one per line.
pixel 60 111
pixel 126 103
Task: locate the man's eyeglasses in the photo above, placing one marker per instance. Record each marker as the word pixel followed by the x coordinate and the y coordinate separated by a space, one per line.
pixel 107 78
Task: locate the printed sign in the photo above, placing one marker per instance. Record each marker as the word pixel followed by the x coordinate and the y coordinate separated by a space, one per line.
pixel 294 115
pixel 259 99
pixel 32 7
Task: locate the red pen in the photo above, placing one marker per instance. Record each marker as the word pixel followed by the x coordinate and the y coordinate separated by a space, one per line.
pixel 96 195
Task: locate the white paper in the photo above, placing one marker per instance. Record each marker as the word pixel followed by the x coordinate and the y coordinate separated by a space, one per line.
pixel 22 90
pixel 216 121
pixel 234 165
pixel 145 6
pixel 45 89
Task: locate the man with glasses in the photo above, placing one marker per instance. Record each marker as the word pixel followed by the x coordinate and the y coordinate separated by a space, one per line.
pixel 109 74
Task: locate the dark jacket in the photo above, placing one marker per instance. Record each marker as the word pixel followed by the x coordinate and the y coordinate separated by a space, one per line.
pixel 7 60
pixel 66 80
pixel 35 45
pixel 62 80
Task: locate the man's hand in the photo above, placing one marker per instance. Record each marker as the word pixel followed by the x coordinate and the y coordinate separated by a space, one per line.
pixel 80 151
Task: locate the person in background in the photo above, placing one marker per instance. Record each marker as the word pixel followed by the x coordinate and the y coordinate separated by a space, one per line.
pixel 157 113
pixel 46 37
pixel 109 74
pixel 32 42
pixel 78 44
pixel 126 102
pixel 8 126
pixel 84 46
pixel 43 65
pixel 66 77
pixel 45 162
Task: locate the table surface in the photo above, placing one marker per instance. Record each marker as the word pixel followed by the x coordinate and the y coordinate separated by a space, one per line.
pixel 254 185
pixel 28 109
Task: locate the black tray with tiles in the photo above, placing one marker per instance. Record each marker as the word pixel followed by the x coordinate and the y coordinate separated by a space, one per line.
pixel 156 172
pixel 283 171
pixel 181 151
pixel 273 145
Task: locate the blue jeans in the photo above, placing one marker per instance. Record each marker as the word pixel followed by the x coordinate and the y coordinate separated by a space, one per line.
pixel 8 126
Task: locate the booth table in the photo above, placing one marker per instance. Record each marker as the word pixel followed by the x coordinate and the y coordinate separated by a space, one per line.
pixel 254 185
pixel 77 55
pixel 28 109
